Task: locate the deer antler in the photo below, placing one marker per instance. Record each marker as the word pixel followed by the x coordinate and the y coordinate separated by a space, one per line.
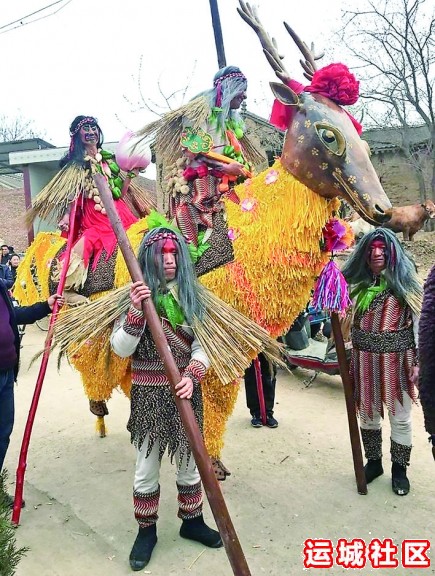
pixel 309 64
pixel 270 47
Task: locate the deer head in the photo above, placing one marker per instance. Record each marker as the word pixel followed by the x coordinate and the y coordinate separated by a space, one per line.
pixel 322 147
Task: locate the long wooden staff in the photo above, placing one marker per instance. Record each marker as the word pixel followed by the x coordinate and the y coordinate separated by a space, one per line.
pixel 22 462
pixel 217 503
pixel 350 406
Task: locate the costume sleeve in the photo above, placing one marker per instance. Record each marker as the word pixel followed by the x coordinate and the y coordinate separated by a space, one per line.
pixel 29 314
pixel 199 363
pixel 127 331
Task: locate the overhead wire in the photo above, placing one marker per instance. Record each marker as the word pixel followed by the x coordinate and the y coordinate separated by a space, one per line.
pixel 21 21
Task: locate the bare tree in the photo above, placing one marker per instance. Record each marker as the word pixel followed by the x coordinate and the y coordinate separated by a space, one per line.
pixel 17 128
pixel 394 41
pixel 168 100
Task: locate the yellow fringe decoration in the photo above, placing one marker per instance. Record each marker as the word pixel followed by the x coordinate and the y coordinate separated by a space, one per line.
pixel 219 402
pixel 32 283
pixel 101 370
pixel 135 234
pixel 277 257
pixel 277 250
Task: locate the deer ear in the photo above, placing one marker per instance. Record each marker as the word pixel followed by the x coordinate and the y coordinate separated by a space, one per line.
pixel 284 94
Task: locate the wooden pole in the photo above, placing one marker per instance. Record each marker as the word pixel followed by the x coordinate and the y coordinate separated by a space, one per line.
pixel 260 390
pixel 218 38
pixel 217 503
pixel 350 406
pixel 22 462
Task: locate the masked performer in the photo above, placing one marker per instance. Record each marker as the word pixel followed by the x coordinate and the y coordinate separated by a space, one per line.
pixel 387 295
pixel 207 153
pixel 94 236
pixel 154 422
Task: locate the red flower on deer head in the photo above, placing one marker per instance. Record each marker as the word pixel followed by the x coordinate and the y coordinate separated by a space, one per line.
pixel 337 83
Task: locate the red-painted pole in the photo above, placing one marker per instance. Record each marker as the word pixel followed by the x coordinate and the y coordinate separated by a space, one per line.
pixel 259 381
pixel 22 462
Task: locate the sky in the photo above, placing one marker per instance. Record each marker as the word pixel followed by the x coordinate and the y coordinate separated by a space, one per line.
pixel 85 59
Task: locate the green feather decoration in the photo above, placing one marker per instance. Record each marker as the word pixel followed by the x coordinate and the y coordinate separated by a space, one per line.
pixel 155 220
pixel 168 307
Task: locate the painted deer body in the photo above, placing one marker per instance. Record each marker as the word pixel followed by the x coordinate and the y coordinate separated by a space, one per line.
pixel 276 228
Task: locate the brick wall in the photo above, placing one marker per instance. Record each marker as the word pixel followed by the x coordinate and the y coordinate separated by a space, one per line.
pixel 12 209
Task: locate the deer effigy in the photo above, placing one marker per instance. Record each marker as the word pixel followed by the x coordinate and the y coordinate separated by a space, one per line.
pixel 275 221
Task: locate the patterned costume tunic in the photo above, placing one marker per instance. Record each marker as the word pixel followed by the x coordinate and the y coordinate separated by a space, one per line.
pixel 383 355
pixel 153 409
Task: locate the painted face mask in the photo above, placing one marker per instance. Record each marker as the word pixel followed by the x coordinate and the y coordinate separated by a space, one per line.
pixel 169 255
pixel 89 133
pixel 377 256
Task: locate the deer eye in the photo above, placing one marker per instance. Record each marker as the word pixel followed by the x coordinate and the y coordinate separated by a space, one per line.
pixel 331 138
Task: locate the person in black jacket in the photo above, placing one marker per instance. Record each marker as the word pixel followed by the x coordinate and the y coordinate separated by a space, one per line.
pixel 10 317
pixel 6 275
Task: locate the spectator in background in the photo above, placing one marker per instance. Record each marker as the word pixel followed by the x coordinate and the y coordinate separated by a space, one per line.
pixel 5 254
pixel 14 262
pixel 6 276
pixel 10 317
pixel 268 376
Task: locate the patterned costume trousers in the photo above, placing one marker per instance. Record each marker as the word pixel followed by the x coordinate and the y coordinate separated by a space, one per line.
pixel 146 489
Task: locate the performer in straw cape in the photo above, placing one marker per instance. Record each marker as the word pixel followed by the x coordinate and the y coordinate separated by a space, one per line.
pixel 388 296
pixel 94 236
pixel 201 331
pixel 154 422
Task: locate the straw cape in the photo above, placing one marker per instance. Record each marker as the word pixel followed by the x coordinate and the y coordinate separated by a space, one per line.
pixel 67 185
pixel 229 338
pixel 166 131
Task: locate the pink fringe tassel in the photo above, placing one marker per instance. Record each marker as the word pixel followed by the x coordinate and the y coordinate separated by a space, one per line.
pixel 331 292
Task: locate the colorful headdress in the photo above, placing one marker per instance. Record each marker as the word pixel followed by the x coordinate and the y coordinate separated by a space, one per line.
pixel 229 74
pixel 83 121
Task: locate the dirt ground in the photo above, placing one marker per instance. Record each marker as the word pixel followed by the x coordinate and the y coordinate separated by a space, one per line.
pixel 287 485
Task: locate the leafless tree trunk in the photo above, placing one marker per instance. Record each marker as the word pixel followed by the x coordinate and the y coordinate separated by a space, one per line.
pixel 394 42
pixel 17 128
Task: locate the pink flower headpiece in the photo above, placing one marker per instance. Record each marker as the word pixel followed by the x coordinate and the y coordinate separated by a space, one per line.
pixel 335 82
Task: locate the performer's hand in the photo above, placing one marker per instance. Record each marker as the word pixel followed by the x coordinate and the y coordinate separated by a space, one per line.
pixel 234 169
pixel 139 292
pixel 184 388
pixel 63 223
pixel 52 299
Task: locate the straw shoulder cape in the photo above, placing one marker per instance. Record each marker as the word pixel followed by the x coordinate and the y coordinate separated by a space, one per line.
pixel 66 186
pixel 167 130
pixel 230 339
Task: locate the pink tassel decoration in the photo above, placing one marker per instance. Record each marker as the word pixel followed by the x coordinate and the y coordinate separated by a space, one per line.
pixel 132 153
pixel 330 291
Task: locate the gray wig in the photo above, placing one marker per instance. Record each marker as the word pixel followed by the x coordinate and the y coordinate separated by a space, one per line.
pixel 150 259
pixel 400 272
pixel 228 82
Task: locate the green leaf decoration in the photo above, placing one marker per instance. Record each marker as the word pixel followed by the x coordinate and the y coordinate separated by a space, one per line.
pixel 169 308
pixel 155 220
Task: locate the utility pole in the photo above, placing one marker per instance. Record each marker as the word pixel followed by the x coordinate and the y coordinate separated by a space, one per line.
pixel 219 41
